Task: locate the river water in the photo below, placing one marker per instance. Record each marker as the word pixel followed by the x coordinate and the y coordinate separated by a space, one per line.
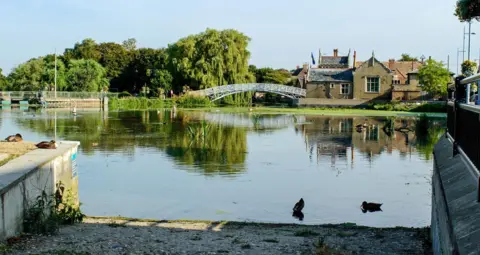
pixel 244 167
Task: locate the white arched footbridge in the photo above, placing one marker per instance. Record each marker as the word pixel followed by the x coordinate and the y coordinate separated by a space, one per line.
pixel 216 93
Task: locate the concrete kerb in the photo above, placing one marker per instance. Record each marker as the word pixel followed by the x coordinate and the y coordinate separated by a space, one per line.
pixel 24 178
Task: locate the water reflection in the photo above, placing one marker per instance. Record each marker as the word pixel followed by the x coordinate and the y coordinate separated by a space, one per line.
pixel 153 164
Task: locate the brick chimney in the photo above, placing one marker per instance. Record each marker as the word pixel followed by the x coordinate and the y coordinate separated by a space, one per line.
pixel 354 58
pixel 335 52
pixel 298 66
pixel 391 62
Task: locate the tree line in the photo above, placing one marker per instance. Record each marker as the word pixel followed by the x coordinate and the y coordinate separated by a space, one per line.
pixel 199 61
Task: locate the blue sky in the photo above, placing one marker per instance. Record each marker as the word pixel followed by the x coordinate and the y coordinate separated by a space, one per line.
pixel 284 33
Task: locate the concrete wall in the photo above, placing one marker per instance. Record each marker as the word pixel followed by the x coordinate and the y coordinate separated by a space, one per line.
pixel 455 210
pixel 79 103
pixel 24 178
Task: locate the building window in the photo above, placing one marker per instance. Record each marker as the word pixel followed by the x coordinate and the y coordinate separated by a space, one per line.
pixel 396 82
pixel 373 84
pixel 345 89
pixel 332 85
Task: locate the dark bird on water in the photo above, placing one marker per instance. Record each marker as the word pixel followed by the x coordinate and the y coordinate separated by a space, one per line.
pixel 47 145
pixel 371 207
pixel 14 138
pixel 298 214
pixel 299 205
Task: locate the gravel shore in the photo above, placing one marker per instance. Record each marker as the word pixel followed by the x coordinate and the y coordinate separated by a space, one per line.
pixel 133 236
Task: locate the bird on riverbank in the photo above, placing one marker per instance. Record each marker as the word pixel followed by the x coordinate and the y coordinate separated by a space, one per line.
pixel 14 138
pixel 371 207
pixel 47 145
pixel 299 205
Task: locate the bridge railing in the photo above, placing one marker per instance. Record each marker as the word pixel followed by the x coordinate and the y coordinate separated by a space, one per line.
pixel 255 87
pixel 58 94
pixel 463 122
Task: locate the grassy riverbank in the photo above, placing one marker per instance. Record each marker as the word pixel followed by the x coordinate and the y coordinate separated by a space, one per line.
pixel 194 103
pixel 315 111
pixel 118 235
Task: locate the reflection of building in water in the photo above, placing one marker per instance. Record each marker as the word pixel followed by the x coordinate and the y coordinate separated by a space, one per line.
pixel 373 140
pixel 328 137
pixel 335 137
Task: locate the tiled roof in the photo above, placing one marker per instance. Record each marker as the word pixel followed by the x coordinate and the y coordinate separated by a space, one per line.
pixel 399 67
pixel 325 75
pixel 333 62
pixel 297 71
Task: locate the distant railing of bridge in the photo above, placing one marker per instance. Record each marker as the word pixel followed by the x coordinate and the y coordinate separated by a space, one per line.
pixel 58 94
pixel 463 123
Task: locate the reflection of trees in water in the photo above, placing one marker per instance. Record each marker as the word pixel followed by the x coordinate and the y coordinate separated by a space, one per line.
pixel 221 149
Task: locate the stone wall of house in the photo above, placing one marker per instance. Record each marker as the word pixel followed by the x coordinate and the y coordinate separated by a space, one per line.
pixel 360 81
pixel 327 91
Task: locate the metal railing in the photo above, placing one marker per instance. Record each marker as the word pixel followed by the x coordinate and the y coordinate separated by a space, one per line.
pixel 463 125
pixel 52 94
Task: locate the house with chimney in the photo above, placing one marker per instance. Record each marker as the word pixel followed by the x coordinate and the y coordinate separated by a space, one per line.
pixel 332 78
pixel 405 82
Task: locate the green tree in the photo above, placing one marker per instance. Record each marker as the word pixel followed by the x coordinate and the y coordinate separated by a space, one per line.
pixel 469 68
pixel 114 58
pixel 130 44
pixel 86 75
pixel 407 57
pixel 466 10
pixel 210 59
pixel 87 49
pixel 434 77
pixel 3 81
pixel 161 79
pixel 38 74
pixel 269 75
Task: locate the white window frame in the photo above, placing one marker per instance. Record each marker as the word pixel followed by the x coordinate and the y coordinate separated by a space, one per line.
pixel 332 85
pixel 366 84
pixel 348 88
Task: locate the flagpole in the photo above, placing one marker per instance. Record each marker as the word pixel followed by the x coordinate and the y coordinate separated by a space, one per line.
pixel 55 72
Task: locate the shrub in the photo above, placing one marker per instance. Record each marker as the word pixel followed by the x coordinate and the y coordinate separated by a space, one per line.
pixel 191 101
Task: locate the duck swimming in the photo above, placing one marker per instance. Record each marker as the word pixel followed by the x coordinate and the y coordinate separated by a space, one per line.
pixel 14 138
pixel 371 207
pixel 47 145
pixel 299 205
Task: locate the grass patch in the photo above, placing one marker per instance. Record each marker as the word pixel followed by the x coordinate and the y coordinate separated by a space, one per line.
pixel 346 234
pixel 323 249
pixel 319 111
pixel 138 103
pixel 48 212
pixel 63 252
pixel 270 240
pixel 246 246
pixel 114 224
pixel 192 101
pixel 306 232
pixel 4 161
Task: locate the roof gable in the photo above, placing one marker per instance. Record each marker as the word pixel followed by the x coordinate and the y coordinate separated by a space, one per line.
pixel 373 61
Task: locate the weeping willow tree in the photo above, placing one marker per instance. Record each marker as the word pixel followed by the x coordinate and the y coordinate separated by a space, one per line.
pixel 212 58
